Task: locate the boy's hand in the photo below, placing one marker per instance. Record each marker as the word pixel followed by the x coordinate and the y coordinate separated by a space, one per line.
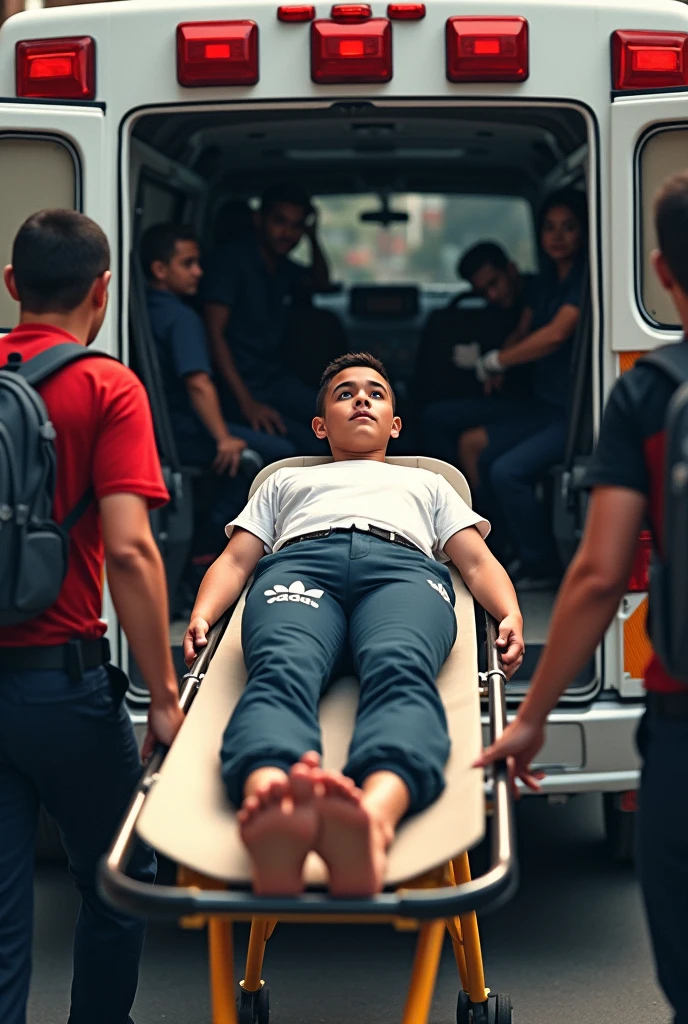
pixel 519 744
pixel 510 643
pixel 195 639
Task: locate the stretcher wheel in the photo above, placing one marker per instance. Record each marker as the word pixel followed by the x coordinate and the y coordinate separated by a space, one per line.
pixel 254 1007
pixel 497 1010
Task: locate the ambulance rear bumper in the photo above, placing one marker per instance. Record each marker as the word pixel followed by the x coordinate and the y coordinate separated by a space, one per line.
pixel 591 750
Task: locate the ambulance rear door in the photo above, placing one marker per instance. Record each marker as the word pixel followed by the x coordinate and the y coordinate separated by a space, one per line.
pixel 649 142
pixel 51 155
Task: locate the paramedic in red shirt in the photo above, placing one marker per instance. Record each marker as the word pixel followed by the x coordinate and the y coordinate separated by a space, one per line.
pixel 627 479
pixel 66 739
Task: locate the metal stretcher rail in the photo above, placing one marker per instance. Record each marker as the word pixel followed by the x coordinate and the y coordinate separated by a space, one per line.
pixel 163 901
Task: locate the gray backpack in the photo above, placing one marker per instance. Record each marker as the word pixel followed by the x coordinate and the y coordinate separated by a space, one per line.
pixel 34 549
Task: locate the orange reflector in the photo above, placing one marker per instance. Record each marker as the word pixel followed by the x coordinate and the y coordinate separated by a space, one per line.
pixel 56 68
pixel 487 49
pixel 649 60
pixel 637 646
pixel 217 53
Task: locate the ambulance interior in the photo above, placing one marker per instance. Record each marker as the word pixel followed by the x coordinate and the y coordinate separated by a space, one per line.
pixel 401 192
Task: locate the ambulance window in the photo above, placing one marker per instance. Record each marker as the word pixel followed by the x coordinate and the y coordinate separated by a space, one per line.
pixel 426 246
pixel 664 153
pixel 36 174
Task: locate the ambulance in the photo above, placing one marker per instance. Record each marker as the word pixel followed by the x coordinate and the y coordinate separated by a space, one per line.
pixel 419 129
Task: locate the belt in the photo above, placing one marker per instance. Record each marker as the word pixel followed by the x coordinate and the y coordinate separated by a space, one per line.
pixel 374 531
pixel 75 657
pixel 668 705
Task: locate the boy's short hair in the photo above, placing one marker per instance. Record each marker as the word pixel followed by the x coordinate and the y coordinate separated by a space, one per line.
pixel 56 257
pixel 347 362
pixel 671 221
pixel 285 192
pixel 159 242
pixel 481 255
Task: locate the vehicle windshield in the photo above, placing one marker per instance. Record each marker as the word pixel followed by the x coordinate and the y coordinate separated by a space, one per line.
pixel 425 247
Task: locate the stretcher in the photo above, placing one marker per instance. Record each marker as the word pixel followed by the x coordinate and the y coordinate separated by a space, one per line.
pixel 181 810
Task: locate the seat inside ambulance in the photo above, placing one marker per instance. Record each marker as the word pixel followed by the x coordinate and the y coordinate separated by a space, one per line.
pixel 401 193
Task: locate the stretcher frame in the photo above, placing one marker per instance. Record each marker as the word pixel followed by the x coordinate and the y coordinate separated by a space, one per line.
pixel 444 898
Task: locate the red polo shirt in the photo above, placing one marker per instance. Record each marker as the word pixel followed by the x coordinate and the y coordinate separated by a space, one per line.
pixel 105 439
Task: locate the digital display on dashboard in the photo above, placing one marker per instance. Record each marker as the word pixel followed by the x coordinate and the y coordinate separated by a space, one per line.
pixel 385 301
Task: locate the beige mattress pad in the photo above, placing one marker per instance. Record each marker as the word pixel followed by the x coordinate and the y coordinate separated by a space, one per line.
pixel 188 818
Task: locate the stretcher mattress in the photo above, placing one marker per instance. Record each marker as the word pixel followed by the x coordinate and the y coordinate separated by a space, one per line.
pixel 187 815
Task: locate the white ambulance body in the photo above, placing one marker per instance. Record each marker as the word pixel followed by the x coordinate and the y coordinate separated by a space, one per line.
pixel 486 109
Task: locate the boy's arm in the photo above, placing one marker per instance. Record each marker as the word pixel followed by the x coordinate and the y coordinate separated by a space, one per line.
pixel 592 589
pixel 221 587
pixel 490 585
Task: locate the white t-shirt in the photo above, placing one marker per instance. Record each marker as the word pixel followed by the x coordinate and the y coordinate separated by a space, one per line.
pixel 420 506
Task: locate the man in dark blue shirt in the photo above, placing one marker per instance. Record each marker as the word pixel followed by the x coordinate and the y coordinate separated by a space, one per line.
pixel 247 292
pixel 171 262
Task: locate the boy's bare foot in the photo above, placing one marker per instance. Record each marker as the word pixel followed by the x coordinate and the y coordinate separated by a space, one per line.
pixel 278 823
pixel 352 840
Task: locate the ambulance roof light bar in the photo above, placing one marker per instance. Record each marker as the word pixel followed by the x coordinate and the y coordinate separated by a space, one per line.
pixel 358 53
pixel 351 12
pixel 649 60
pixel 296 12
pixel 406 12
pixel 63 69
pixel 217 53
pixel 487 49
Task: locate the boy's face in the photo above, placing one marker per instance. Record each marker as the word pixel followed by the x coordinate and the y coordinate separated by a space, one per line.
pixel 282 227
pixel 359 416
pixel 183 272
pixel 499 287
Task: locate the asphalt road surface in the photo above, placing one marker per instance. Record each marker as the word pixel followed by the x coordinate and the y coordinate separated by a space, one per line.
pixel 570 948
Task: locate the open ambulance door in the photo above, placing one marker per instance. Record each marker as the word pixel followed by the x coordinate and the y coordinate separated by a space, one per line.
pixel 50 156
pixel 649 142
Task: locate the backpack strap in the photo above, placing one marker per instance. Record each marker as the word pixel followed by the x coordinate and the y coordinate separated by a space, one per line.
pixel 672 360
pixel 38 369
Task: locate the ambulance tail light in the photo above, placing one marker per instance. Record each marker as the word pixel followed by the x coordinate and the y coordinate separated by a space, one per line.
pixel 487 49
pixel 640 573
pixel 649 60
pixel 296 12
pixel 406 12
pixel 357 53
pixel 63 69
pixel 217 53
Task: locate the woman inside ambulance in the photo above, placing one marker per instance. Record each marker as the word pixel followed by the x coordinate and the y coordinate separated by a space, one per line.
pixel 505 447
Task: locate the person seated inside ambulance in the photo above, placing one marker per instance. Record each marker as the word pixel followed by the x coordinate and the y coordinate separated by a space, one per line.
pixel 170 258
pixel 348 552
pixel 505 447
pixel 455 338
pixel 247 293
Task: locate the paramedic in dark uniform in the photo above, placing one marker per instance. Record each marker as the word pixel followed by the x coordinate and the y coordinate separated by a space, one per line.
pixel 247 292
pixel 66 739
pixel 627 482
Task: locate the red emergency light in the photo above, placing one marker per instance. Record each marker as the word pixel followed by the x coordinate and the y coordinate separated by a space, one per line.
pixel 217 53
pixel 649 60
pixel 342 53
pixel 640 573
pixel 301 12
pixel 406 12
pixel 62 69
pixel 487 49
pixel 351 12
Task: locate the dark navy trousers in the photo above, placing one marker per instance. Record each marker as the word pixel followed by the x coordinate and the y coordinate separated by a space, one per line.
pixel 387 607
pixel 663 851
pixel 71 746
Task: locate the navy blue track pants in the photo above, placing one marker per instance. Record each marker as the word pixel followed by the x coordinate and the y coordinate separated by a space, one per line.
pixel 71 746
pixel 389 608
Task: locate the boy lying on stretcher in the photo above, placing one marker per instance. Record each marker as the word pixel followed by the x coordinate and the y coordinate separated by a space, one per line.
pixel 347 552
